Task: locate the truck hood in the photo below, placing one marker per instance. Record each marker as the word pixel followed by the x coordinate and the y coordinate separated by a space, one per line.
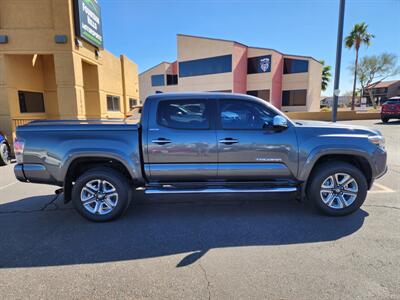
pixel 331 128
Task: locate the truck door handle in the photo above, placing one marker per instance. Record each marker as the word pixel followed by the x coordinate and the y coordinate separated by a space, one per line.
pixel 228 141
pixel 161 141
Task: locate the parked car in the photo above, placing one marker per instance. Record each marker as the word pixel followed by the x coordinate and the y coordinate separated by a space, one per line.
pixel 390 109
pixel 231 143
pixel 5 150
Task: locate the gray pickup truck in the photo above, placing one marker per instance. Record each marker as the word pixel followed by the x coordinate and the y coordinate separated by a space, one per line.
pixel 200 143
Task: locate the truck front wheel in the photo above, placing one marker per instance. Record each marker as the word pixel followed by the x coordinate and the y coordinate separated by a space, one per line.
pixel 101 194
pixel 337 188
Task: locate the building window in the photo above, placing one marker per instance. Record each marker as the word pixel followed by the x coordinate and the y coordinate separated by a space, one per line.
pixel 113 103
pixel 221 91
pixel 291 66
pixel 263 94
pixel 31 102
pixel 183 114
pixel 294 98
pixel 157 80
pixel 205 66
pixel 237 114
pixel 172 79
pixel 132 103
pixel 259 64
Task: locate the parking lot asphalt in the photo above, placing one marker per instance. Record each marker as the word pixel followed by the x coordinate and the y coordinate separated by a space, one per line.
pixel 196 247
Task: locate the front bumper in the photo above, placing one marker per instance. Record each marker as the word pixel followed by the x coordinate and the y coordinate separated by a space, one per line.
pixel 380 166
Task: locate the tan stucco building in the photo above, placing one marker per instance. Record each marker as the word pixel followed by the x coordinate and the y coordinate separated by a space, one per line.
pixel 47 71
pixel 290 82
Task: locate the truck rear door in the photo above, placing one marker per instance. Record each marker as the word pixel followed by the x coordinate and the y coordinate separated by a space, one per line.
pixel 181 141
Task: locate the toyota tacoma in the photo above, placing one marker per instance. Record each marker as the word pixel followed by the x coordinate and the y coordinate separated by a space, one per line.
pixel 200 143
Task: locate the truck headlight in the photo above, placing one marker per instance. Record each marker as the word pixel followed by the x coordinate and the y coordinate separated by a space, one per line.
pixel 378 140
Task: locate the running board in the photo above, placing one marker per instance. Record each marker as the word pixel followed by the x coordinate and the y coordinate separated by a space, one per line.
pixel 219 190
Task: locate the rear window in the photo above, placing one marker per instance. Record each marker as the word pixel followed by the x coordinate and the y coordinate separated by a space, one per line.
pixel 393 101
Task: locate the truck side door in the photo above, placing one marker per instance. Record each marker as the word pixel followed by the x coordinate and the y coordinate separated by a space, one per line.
pixel 249 148
pixel 181 141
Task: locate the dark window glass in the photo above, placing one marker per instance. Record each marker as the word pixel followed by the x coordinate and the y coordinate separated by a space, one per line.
pixel 113 103
pixel 212 65
pixel 294 98
pixel 262 94
pixel 183 114
pixel 222 91
pixel 157 80
pixel 236 114
pixel 132 103
pixel 172 79
pixel 259 64
pixel 31 102
pixel 393 101
pixel 291 66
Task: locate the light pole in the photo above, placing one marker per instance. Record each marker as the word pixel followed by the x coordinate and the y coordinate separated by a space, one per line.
pixel 338 60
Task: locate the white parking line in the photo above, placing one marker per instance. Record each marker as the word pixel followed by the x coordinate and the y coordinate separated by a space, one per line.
pixel 8 185
pixel 383 189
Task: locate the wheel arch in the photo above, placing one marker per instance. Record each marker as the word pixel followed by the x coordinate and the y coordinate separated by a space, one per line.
pixel 358 161
pixel 80 165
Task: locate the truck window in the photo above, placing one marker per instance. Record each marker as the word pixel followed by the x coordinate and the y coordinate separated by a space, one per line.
pixel 237 114
pixel 184 114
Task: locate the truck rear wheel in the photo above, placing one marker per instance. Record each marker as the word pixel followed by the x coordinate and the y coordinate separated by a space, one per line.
pixel 337 188
pixel 385 120
pixel 101 194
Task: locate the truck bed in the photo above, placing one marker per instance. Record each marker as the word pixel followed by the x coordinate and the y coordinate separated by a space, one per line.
pixel 51 146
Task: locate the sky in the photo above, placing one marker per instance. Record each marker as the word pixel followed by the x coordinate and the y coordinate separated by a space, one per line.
pixel 145 30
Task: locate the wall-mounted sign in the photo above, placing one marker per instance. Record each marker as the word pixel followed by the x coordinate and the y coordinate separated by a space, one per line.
pixel 88 21
pixel 259 64
pixel 265 64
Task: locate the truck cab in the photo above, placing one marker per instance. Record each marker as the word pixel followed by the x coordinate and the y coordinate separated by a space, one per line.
pixel 206 138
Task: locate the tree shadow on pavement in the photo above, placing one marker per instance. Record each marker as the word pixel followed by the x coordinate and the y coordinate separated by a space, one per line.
pixel 57 235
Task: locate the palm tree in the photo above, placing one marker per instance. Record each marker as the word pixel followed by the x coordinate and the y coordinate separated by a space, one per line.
pixel 326 75
pixel 358 36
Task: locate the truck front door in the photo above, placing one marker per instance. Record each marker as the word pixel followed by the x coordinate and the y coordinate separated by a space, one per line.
pixel 181 141
pixel 249 148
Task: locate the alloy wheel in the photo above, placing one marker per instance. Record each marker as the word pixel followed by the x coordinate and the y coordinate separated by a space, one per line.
pixel 5 154
pixel 339 190
pixel 99 197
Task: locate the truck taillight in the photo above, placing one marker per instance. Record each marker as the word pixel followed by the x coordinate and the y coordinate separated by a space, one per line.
pixel 19 145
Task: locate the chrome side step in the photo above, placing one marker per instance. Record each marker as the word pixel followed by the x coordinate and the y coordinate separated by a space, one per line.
pixel 171 190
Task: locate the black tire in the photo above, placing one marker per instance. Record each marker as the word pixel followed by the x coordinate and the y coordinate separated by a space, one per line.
pixel 5 157
pixel 116 180
pixel 385 120
pixel 322 173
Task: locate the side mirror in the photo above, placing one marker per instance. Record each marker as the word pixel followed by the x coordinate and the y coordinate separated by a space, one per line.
pixel 279 122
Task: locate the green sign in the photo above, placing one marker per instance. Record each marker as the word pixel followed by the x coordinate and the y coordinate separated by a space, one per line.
pixel 88 22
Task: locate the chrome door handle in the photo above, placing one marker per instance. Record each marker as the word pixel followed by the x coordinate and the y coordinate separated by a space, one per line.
pixel 161 141
pixel 228 141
